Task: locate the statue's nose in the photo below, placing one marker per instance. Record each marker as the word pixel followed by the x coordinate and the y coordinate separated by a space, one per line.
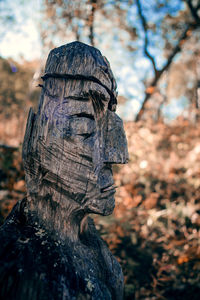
pixel 118 155
pixel 116 150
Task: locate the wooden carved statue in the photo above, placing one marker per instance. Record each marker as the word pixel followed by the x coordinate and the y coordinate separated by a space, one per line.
pixel 50 248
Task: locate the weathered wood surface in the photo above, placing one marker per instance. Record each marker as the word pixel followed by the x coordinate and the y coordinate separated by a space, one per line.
pixel 49 246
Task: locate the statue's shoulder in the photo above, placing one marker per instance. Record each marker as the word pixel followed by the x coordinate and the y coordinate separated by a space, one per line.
pixel 104 257
pixel 37 264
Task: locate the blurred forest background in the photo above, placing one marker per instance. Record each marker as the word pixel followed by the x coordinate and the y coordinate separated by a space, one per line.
pixel 154 50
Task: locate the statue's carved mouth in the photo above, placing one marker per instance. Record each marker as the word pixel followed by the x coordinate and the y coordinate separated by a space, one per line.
pixel 108 188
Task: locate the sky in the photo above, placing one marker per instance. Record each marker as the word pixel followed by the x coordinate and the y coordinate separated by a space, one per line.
pixel 22 44
pixel 21 40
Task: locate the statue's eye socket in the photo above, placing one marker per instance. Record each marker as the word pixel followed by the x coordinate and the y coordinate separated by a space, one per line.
pixel 82 124
pixel 84 115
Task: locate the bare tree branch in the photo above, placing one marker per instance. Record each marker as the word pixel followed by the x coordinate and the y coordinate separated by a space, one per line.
pixel 177 48
pixel 91 21
pixel 146 42
pixel 76 30
pixel 150 90
pixel 193 10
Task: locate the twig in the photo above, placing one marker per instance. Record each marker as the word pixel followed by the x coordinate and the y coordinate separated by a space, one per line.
pixel 146 42
pixel 194 10
pixel 91 21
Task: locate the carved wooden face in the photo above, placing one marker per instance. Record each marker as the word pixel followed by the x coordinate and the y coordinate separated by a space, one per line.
pixel 78 148
pixel 76 141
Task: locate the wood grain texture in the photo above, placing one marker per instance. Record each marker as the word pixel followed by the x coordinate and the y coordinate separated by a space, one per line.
pixel 50 247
